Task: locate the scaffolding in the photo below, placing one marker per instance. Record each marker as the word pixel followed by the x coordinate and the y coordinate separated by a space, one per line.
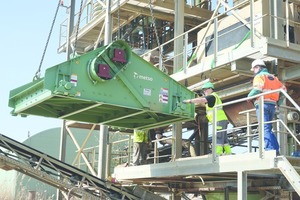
pixel 217 43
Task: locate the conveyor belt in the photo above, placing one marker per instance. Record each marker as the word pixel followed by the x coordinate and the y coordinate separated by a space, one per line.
pixel 17 156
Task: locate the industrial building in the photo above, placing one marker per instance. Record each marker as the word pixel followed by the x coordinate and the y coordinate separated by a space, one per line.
pixel 130 65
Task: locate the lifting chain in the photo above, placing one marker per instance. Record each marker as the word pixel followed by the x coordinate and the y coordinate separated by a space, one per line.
pixel 77 28
pixel 154 24
pixel 161 67
pixel 38 72
pixel 119 31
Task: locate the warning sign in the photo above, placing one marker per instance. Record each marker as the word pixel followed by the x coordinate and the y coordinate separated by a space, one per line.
pixel 163 95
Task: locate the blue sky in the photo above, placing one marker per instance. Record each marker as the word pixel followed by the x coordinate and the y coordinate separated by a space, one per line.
pixel 25 29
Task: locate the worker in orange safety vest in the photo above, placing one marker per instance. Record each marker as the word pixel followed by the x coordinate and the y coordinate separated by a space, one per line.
pixel 263 82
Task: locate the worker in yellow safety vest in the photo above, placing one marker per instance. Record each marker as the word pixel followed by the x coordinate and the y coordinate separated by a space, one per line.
pixel 211 99
pixel 140 144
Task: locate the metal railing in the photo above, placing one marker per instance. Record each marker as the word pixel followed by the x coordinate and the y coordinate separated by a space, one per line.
pixel 191 53
pixel 125 156
pixel 260 123
pixel 156 154
pixel 251 134
pixel 90 10
pixel 213 34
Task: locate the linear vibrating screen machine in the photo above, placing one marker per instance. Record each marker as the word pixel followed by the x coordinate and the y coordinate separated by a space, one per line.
pixel 111 86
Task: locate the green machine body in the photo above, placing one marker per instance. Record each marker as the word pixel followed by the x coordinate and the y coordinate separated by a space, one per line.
pixel 110 85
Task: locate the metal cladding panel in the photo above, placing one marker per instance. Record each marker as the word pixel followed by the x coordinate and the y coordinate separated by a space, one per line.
pixel 110 85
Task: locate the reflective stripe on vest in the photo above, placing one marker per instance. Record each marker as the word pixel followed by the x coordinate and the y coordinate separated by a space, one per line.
pixel 220 113
pixel 271 83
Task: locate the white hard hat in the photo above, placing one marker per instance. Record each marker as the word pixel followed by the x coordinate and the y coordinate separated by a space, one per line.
pixel 257 62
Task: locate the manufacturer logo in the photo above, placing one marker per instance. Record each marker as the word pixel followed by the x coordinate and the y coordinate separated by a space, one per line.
pixel 142 77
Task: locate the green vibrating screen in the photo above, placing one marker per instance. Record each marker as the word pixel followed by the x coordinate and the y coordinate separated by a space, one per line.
pixel 111 86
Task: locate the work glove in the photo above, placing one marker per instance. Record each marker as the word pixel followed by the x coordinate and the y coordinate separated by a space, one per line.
pixel 200 92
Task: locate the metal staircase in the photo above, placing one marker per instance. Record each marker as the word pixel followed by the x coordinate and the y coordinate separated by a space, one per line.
pixel 289 171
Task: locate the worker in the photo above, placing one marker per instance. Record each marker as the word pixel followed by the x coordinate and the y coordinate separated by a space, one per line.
pixel 151 137
pixel 211 99
pixel 160 135
pixel 264 81
pixel 140 143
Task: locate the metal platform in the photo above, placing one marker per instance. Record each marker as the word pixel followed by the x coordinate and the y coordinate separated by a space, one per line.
pixel 124 14
pixel 203 173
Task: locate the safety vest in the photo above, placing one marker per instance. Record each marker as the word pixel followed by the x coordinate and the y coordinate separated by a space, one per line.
pixel 220 112
pixel 140 136
pixel 266 82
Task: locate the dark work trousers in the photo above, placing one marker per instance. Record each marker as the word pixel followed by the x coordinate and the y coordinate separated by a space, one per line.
pixel 139 156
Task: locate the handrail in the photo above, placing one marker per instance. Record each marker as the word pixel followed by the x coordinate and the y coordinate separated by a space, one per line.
pixel 155 150
pixel 129 142
pixel 261 120
pixel 259 95
pixel 248 98
pixel 249 136
pixel 206 24
pixel 155 157
pixel 290 132
pixel 229 10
